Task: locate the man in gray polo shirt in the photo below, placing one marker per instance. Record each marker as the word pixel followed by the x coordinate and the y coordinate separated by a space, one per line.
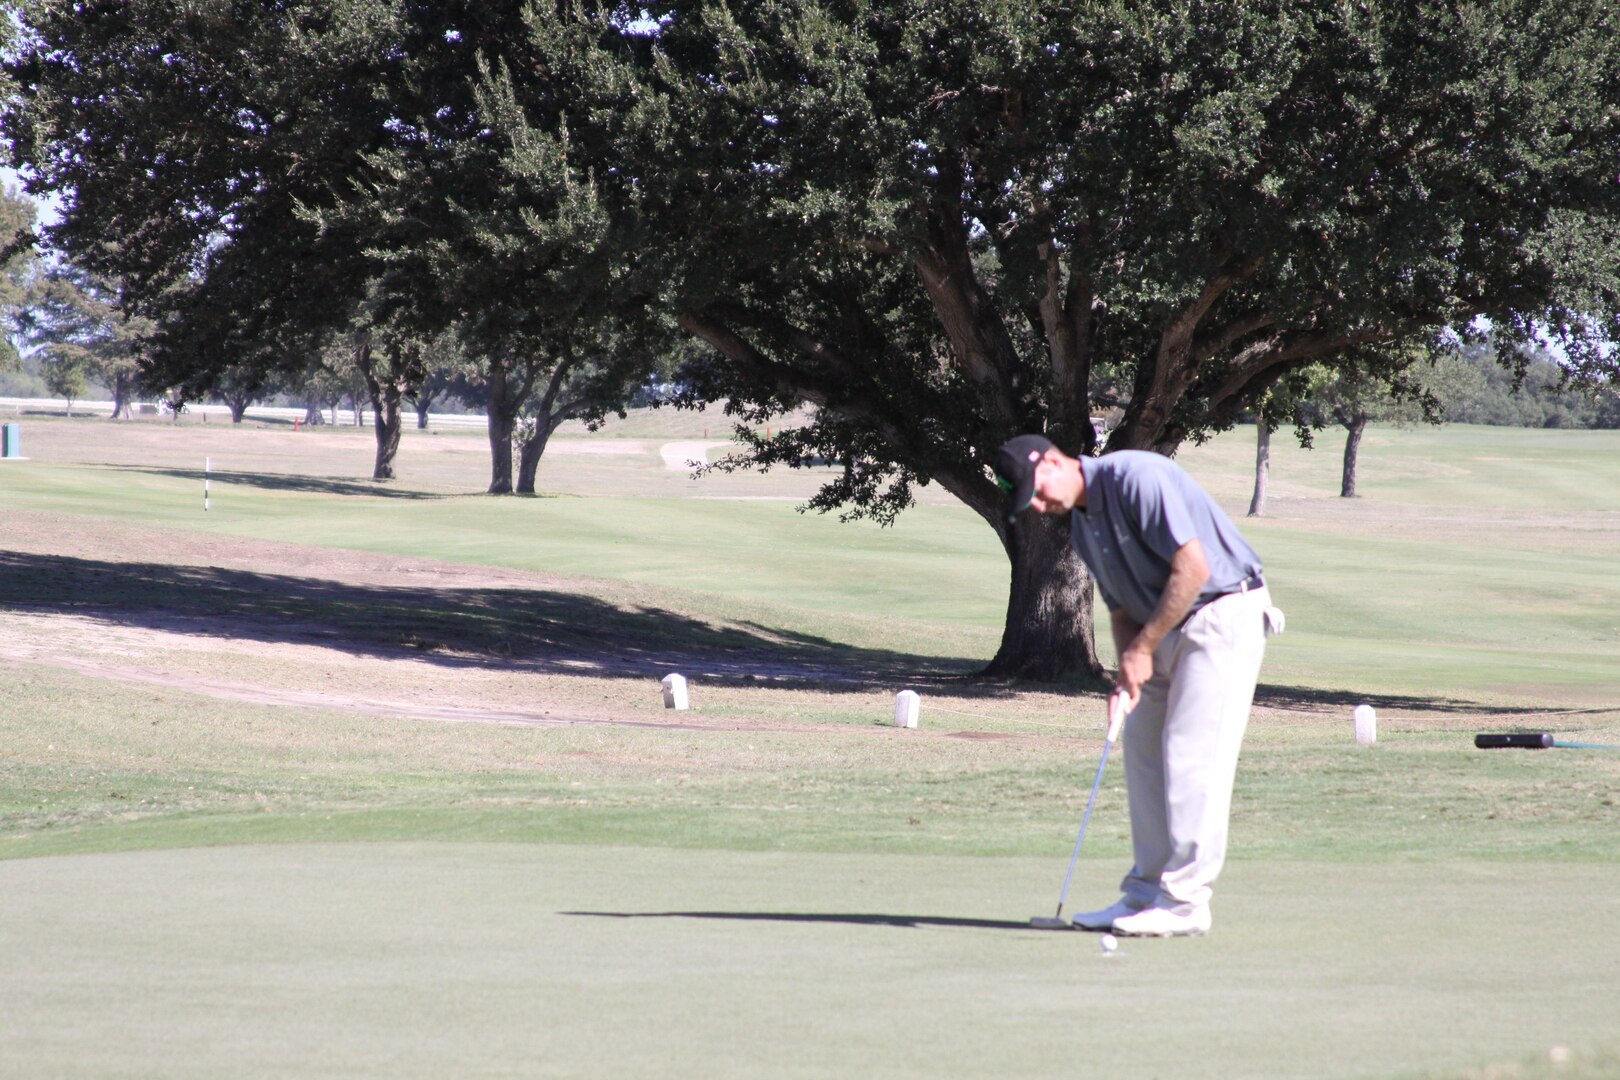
pixel 1190 614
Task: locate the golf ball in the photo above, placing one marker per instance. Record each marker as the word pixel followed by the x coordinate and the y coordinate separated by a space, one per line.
pixel 1109 943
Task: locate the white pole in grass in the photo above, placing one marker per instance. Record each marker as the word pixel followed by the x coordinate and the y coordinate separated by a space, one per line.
pixel 208 467
pixel 906 706
pixel 1366 725
pixel 675 692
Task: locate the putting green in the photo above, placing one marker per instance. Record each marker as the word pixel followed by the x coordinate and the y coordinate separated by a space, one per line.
pixel 475 960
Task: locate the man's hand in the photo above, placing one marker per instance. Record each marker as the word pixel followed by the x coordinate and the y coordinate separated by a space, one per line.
pixel 1135 669
pixel 1135 644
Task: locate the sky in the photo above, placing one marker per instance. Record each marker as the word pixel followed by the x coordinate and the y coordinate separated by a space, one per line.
pixel 47 209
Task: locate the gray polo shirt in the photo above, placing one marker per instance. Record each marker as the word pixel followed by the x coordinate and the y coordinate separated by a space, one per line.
pixel 1140 508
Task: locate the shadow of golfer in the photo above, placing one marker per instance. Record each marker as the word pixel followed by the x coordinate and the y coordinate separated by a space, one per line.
pixel 909 921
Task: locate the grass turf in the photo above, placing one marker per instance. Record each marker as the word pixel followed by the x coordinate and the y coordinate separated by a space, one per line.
pixel 1379 905
pixel 536 960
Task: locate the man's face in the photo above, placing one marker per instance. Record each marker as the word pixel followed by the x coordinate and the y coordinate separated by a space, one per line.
pixel 1057 485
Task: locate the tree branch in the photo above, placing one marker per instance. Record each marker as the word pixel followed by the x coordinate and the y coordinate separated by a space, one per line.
pixel 1066 309
pixel 1280 351
pixel 971 324
pixel 830 393
pixel 1175 364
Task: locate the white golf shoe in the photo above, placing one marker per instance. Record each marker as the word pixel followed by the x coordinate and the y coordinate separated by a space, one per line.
pixel 1164 922
pixel 1105 918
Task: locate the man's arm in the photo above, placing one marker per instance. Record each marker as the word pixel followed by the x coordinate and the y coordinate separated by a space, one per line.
pixel 1189 571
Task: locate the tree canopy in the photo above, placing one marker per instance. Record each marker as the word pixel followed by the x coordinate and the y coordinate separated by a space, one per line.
pixel 945 223
pixel 939 223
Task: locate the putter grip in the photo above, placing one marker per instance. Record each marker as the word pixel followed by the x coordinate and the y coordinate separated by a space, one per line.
pixel 1116 716
pixel 1517 740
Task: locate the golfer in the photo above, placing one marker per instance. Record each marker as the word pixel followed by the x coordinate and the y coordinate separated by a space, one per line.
pixel 1190 615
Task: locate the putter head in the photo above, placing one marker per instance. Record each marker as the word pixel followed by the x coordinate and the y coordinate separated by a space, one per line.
pixel 1050 922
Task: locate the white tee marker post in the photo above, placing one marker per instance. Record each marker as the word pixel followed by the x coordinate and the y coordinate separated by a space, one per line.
pixel 906 706
pixel 1366 725
pixel 675 692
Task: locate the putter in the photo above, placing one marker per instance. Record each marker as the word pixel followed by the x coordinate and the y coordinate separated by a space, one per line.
pixel 1116 721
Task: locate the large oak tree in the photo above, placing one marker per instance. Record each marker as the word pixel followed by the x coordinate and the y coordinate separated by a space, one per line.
pixel 943 223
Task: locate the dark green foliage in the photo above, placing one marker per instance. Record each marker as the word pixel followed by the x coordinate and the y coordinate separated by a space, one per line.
pixel 184 142
pixel 943 223
pixel 937 223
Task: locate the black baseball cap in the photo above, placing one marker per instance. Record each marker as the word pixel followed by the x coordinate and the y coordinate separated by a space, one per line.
pixel 1015 470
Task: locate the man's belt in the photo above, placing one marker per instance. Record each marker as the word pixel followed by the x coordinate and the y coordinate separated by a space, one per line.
pixel 1248 584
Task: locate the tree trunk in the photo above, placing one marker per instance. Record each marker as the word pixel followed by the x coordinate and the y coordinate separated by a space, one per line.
pixel 239 408
pixel 549 413
pixel 386 395
pixel 1352 449
pixel 422 401
pixel 390 422
pixel 313 416
pixel 1050 631
pixel 120 392
pixel 502 413
pixel 1262 469
pixel 531 451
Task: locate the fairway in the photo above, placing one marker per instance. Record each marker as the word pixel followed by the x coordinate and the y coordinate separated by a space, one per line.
pixel 356 779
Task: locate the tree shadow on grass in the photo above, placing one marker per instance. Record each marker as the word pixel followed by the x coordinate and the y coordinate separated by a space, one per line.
pixel 903 921
pixel 283 482
pixel 1311 699
pixel 522 629
pixel 540 630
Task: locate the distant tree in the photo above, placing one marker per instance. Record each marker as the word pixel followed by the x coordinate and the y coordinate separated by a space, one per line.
pixel 238 387
pixel 316 387
pixel 76 326
pixel 1282 404
pixel 591 377
pixel 445 365
pixel 391 364
pixel 187 145
pixel 19 271
pixel 1588 361
pixel 244 158
pixel 1385 386
pixel 535 380
pixel 1534 390
pixel 1264 427
pixel 64 376
pixel 377 359
pixel 1262 469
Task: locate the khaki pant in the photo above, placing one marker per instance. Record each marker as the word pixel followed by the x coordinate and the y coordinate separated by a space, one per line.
pixel 1181 749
